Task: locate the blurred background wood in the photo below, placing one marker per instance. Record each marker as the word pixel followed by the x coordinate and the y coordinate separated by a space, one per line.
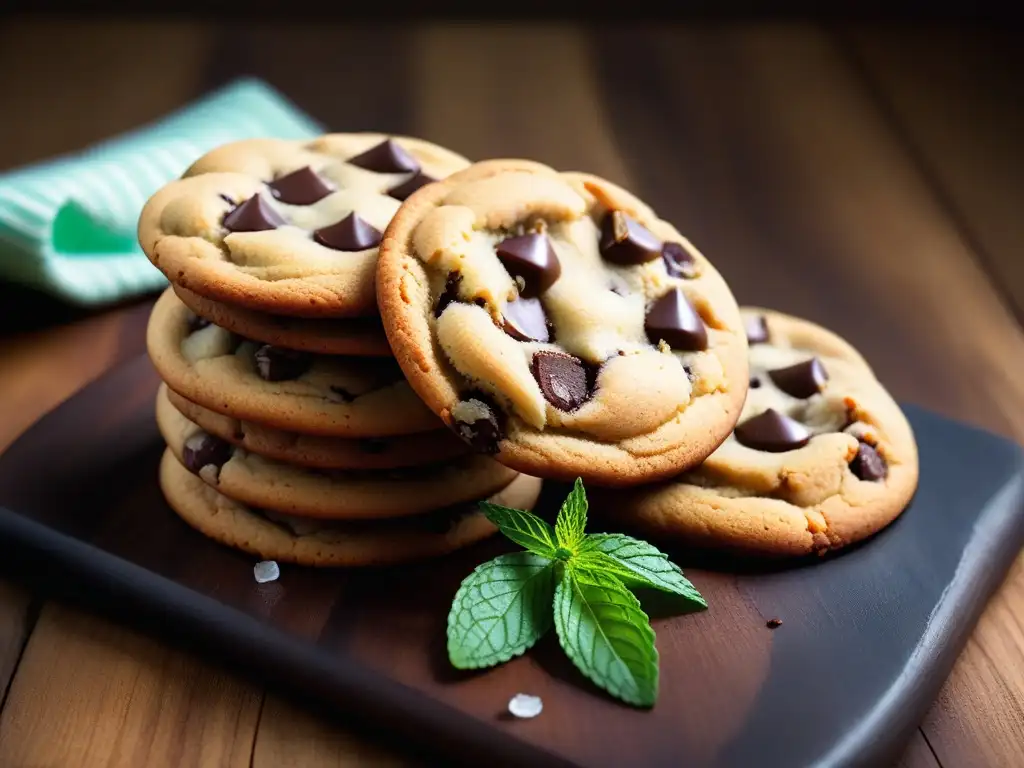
pixel 865 176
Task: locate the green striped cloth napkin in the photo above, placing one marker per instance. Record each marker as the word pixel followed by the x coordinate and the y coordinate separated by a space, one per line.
pixel 68 225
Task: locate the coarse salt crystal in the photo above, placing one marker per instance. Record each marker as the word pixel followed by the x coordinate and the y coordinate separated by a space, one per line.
pixel 265 571
pixel 524 705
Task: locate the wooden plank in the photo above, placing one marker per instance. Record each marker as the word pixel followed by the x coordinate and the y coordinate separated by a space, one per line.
pixel 291 737
pixel 90 693
pixel 953 93
pixel 918 754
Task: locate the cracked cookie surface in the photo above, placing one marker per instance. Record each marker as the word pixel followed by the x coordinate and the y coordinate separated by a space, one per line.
pixel 822 456
pixel 555 322
pixel 290 539
pixel 294 391
pixel 336 494
pixel 288 227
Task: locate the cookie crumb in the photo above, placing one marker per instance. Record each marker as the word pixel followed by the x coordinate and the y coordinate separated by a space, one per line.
pixel 525 706
pixel 266 570
pixel 773 623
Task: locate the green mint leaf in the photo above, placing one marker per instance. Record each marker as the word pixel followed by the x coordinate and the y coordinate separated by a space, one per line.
pixel 501 609
pixel 636 564
pixel 602 628
pixel 524 528
pixel 572 518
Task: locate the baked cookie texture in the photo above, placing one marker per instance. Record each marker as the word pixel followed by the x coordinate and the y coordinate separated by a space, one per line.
pixel 294 391
pixel 555 322
pixel 288 227
pixel 822 456
pixel 359 336
pixel 321 452
pixel 341 494
pixel 284 538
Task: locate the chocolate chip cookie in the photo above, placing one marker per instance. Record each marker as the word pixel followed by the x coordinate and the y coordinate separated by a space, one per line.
pixel 295 391
pixel 288 227
pixel 821 457
pixel 359 336
pixel 556 323
pixel 286 538
pixel 252 479
pixel 322 452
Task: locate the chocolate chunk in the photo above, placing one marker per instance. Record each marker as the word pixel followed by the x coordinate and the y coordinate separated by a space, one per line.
pixel 484 430
pixel 203 449
pixel 407 187
pixel 450 293
pixel 756 328
pixel 625 241
pixel 352 233
pixel 563 379
pixel 773 623
pixel 801 380
pixel 525 320
pixel 302 187
pixel 254 215
pixel 196 323
pixel 533 258
pixel 674 319
pixel 679 262
pixel 386 157
pixel 278 364
pixel 772 431
pixel 868 464
pixel 373 445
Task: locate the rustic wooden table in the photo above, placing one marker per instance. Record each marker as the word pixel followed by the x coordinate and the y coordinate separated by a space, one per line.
pixel 868 177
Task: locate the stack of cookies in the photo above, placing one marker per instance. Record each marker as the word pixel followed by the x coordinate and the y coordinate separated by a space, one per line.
pixel 291 431
pixel 510 319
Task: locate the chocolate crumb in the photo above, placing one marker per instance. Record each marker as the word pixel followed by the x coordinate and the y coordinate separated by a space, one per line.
pixel 773 623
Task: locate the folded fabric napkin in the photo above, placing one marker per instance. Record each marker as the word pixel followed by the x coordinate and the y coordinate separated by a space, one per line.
pixel 68 225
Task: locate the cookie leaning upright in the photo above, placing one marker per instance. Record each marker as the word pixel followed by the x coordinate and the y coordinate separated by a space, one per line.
pixel 288 227
pixel 822 456
pixel 553 320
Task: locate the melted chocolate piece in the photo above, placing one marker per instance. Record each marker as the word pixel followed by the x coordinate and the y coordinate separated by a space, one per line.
pixel 679 262
pixel 353 233
pixel 450 293
pixel 868 464
pixel 484 433
pixel 674 319
pixel 386 157
pixel 254 215
pixel 525 320
pixel 302 187
pixel 203 449
pixel 562 378
pixel 801 380
pixel 195 322
pixel 625 241
pixel 279 364
pixel 407 187
pixel 756 328
pixel 533 258
pixel 773 432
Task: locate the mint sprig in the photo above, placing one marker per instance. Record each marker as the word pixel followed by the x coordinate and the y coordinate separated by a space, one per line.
pixel 580 583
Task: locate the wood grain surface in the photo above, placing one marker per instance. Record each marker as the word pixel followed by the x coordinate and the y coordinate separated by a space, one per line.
pixel 829 173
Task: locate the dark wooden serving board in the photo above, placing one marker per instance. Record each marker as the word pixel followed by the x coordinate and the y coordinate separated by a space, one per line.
pixel 866 641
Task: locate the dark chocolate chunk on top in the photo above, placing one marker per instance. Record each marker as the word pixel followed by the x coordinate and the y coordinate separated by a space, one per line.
pixel 254 215
pixel 673 319
pixel 386 157
pixel 679 262
pixel 801 380
pixel 531 257
pixel 203 449
pixel 772 431
pixel 868 464
pixel 302 187
pixel 407 187
pixel 525 320
pixel 353 233
pixel 626 241
pixel 562 378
